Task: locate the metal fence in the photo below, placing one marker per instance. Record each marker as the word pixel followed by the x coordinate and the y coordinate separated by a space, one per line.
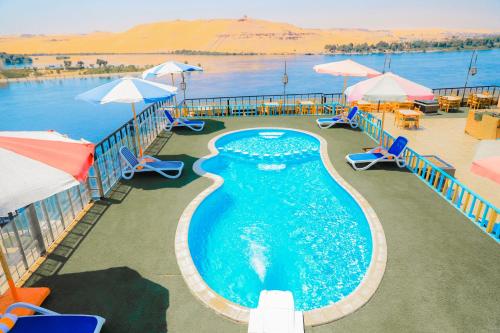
pixel 107 166
pixel 28 234
pixel 291 104
pixel 481 212
pixel 34 229
pixel 466 91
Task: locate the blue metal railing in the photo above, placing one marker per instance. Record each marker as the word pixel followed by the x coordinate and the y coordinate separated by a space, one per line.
pixel 301 108
pixel 480 211
pixel 35 229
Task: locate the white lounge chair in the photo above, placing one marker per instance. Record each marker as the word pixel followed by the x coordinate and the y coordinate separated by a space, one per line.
pixel 378 154
pixel 275 314
pixel 195 125
pixel 350 119
pixel 147 164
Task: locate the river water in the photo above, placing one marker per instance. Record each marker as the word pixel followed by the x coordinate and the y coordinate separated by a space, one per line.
pixel 51 104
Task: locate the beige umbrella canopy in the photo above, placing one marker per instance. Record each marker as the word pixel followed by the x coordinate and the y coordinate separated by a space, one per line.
pixel 388 87
pixel 346 68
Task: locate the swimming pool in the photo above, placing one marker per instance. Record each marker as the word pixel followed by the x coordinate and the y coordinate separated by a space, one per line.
pixel 277 217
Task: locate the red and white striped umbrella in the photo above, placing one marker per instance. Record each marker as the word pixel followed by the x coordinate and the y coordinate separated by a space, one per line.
pixel 486 162
pixel 35 165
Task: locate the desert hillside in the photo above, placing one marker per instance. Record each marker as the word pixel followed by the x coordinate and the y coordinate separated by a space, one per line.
pixel 222 35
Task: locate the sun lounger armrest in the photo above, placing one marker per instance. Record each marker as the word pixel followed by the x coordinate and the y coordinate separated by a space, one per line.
pixel 149 157
pixel 35 308
pixel 378 149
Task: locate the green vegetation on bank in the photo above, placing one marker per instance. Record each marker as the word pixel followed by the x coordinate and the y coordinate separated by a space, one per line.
pixel 14 59
pixel 68 69
pixel 417 45
pixel 113 69
pixel 196 52
pixel 15 73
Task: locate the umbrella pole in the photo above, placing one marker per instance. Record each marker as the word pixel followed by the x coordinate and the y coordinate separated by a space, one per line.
pixel 383 120
pixel 343 90
pixel 173 84
pixel 8 275
pixel 137 134
pixel 183 87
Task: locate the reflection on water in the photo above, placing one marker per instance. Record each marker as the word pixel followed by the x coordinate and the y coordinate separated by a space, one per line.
pixel 51 104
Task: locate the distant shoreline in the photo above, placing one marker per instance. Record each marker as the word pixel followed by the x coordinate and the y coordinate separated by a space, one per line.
pixel 78 75
pixel 208 53
pixel 63 76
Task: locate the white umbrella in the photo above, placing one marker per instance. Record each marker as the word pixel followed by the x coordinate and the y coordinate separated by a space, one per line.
pixel 129 90
pixel 35 166
pixel 346 68
pixel 171 67
pixel 486 161
pixel 388 87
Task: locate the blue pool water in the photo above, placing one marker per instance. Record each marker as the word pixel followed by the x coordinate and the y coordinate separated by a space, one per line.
pixel 51 104
pixel 279 221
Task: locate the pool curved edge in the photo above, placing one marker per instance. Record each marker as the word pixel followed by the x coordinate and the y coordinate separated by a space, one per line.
pixel 355 300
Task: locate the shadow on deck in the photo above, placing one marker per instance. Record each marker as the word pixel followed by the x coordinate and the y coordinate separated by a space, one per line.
pixel 119 260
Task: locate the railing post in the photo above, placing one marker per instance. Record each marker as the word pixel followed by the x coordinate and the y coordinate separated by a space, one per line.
pixel 80 197
pixel 491 221
pixel 133 136
pixel 19 242
pixel 34 226
pixel 98 179
pixel 47 217
pixel 59 210
pixel 71 203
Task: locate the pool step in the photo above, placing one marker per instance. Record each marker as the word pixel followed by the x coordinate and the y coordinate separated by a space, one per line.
pixel 294 155
pixel 275 314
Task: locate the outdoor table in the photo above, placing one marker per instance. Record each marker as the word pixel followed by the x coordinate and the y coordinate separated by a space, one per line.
pixel 365 105
pixel 203 110
pixel 453 98
pixel 308 104
pixel 452 102
pixel 407 115
pixel 484 100
pixel 243 109
pixel 271 106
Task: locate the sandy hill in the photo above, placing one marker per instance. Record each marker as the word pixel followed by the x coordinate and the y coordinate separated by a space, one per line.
pixel 221 35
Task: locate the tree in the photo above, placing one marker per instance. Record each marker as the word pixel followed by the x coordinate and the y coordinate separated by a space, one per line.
pixel 100 62
pixel 80 64
pixel 67 63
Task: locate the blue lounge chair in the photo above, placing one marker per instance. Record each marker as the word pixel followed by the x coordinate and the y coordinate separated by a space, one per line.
pixel 350 119
pixel 48 321
pixel 378 154
pixel 147 164
pixel 195 125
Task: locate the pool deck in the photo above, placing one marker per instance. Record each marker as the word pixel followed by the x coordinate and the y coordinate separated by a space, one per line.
pixel 444 135
pixel 119 261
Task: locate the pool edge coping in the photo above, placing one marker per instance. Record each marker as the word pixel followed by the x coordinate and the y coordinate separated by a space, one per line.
pixel 230 310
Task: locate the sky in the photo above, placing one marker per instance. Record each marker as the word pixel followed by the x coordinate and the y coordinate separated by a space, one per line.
pixel 84 16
